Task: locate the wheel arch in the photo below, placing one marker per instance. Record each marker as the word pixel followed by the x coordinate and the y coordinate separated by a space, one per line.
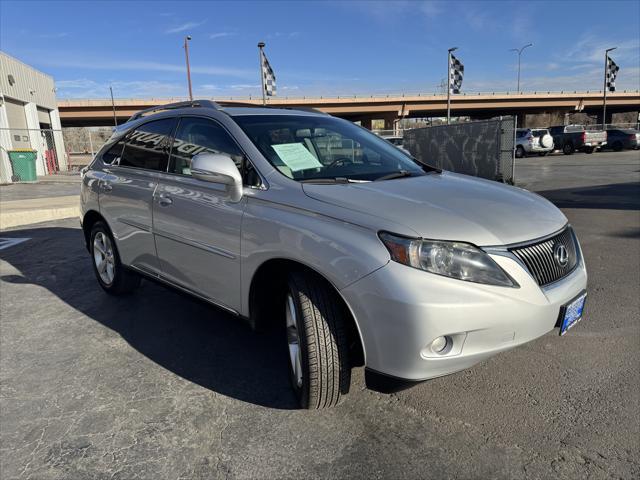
pixel 91 217
pixel 266 293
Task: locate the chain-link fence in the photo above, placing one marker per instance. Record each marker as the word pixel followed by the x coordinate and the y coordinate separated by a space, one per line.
pixel 82 143
pixel 483 148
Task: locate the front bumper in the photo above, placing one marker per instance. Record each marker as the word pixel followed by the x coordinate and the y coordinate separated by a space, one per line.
pixel 401 310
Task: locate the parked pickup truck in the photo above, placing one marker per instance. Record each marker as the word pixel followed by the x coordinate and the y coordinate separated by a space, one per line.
pixel 570 138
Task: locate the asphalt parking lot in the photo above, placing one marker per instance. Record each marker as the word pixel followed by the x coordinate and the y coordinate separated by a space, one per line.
pixel 158 385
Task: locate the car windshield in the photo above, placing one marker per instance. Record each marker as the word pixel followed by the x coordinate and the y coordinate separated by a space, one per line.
pixel 316 148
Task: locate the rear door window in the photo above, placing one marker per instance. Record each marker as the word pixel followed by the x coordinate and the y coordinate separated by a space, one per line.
pixel 148 145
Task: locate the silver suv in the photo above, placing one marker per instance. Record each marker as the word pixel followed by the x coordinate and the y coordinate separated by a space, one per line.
pixel 310 224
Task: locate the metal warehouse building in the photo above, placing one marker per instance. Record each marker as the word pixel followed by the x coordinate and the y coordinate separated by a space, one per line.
pixel 29 118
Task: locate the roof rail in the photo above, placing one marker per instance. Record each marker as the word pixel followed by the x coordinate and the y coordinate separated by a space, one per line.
pixel 173 106
pixel 230 104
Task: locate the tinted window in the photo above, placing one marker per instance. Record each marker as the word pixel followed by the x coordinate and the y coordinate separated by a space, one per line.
pixel 148 145
pixel 196 135
pixel 114 153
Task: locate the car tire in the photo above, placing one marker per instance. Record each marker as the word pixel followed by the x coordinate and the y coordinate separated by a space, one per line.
pixel 112 276
pixel 617 146
pixel 567 148
pixel 542 154
pixel 520 151
pixel 316 324
pixel 589 150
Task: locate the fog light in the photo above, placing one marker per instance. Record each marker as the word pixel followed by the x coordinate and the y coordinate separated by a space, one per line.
pixel 440 344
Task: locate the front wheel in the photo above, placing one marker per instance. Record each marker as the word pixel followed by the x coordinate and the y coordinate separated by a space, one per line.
pixel 317 342
pixel 589 150
pixel 519 151
pixel 567 148
pixel 112 276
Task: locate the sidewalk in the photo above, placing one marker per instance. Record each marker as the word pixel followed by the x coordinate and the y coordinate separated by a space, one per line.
pixel 23 204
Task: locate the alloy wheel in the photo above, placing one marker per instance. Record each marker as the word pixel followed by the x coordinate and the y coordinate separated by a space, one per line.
pixel 103 257
pixel 293 340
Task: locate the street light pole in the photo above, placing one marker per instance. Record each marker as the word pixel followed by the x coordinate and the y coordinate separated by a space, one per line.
pixel 186 54
pixel 113 105
pixel 604 88
pixel 449 83
pixel 520 50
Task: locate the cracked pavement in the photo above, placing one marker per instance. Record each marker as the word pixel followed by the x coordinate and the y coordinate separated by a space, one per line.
pixel 159 385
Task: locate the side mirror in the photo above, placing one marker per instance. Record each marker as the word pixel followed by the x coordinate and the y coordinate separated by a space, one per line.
pixel 218 168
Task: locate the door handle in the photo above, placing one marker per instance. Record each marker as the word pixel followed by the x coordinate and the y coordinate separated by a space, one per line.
pixel 106 187
pixel 164 200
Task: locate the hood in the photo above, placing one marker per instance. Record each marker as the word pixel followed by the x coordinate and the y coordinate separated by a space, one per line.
pixel 449 206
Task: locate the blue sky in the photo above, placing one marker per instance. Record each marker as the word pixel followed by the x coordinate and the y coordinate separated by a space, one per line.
pixel 320 48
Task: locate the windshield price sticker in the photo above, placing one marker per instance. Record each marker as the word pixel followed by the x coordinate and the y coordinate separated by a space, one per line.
pixel 296 156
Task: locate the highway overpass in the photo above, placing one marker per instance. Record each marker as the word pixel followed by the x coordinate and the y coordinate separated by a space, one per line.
pixel 389 108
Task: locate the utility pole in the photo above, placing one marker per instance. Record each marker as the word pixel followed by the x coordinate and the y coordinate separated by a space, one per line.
pixel 604 88
pixel 186 54
pixel 449 84
pixel 520 50
pixel 260 54
pixel 113 105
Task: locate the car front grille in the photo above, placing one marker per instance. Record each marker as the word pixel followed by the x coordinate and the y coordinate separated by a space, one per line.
pixel 541 258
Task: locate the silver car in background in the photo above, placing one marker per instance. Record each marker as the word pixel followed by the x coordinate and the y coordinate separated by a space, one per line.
pixel 359 254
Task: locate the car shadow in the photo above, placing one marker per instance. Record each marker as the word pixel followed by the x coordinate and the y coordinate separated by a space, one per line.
pixel 615 196
pixel 188 337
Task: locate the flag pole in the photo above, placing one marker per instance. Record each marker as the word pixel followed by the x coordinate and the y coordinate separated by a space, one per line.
pixel 449 84
pixel 604 88
pixel 260 47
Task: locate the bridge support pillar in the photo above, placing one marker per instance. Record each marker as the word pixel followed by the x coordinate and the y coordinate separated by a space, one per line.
pixel 609 118
pixel 388 123
pixel 521 119
pixel 366 123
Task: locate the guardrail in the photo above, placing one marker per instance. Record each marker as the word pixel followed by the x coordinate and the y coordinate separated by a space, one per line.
pixel 364 96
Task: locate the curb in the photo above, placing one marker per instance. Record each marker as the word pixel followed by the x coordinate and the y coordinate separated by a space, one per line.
pixel 27 217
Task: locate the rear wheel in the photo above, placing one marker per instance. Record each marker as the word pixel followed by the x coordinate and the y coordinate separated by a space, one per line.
pixel 317 342
pixel 589 150
pixel 112 276
pixel 519 151
pixel 542 154
pixel 567 148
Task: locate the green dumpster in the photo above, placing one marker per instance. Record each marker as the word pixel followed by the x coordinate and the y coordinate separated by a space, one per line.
pixel 23 163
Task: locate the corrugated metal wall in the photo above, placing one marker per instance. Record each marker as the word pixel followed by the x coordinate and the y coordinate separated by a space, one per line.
pixel 29 84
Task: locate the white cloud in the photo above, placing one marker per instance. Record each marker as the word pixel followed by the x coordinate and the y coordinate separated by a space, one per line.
pixel 184 27
pixel 243 86
pixel 73 61
pixel 85 88
pixel 283 35
pixel 54 35
pixel 221 35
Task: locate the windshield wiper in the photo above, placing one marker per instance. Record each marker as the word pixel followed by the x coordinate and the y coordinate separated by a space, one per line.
pixel 326 180
pixel 398 174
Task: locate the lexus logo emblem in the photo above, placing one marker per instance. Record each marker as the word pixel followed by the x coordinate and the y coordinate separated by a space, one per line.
pixel 560 254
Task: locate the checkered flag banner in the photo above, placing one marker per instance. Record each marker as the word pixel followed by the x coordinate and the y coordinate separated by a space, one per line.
pixel 456 72
pixel 268 77
pixel 612 73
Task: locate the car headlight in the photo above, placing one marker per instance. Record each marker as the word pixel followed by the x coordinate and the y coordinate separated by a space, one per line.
pixel 450 259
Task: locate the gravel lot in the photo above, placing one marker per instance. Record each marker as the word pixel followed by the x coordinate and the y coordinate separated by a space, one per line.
pixel 159 385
